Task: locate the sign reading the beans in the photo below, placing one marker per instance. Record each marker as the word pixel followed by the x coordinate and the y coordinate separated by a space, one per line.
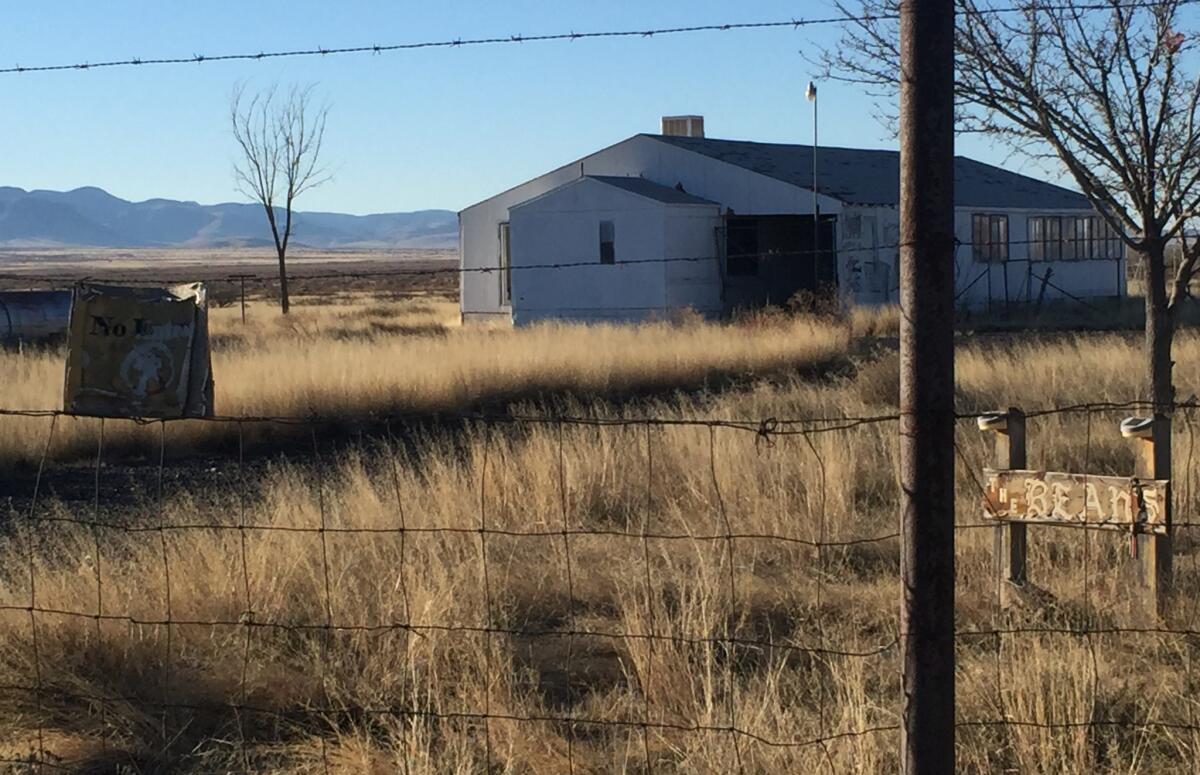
pixel 1113 502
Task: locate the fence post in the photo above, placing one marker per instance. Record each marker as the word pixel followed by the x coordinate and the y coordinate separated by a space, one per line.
pixel 1151 438
pixel 927 385
pixel 1008 429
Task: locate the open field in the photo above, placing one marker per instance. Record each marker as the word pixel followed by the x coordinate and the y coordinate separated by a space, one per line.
pixel 544 597
pixel 354 356
pixel 414 271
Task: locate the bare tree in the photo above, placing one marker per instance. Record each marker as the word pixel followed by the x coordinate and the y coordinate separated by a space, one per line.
pixel 1098 85
pixel 280 138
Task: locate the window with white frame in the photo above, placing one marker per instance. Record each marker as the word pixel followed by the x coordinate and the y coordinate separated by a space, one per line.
pixel 1090 237
pixel 505 266
pixel 1045 238
pixel 1108 242
pixel 989 237
pixel 1078 236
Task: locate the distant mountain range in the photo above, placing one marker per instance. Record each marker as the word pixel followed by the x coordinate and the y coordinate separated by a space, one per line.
pixel 93 217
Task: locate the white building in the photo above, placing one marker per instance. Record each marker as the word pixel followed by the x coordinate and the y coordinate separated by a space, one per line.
pixel 657 223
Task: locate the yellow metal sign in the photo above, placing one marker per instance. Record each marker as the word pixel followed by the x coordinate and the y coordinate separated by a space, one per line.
pixel 139 352
pixel 1111 502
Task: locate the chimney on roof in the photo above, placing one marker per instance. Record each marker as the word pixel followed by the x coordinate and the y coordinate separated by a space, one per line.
pixel 683 126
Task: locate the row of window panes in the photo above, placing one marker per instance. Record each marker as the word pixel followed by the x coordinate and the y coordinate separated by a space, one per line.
pixel 1051 238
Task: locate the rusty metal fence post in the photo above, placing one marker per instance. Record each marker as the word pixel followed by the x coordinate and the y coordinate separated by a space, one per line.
pixel 927 416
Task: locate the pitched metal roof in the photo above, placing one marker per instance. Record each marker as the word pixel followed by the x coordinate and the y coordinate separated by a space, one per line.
pixel 872 177
pixel 651 190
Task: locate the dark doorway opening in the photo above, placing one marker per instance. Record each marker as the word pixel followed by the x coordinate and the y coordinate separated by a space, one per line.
pixel 769 259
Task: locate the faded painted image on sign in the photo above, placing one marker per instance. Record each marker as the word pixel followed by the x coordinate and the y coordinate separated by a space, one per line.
pixel 139 352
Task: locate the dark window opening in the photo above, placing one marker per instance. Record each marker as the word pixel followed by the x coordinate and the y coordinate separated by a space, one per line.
pixel 505 266
pixel 608 239
pixel 741 257
pixel 989 237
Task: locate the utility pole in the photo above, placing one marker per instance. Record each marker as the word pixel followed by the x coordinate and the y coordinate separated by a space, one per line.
pixel 927 384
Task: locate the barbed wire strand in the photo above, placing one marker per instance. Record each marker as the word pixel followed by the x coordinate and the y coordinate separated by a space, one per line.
pixel 247 605
pixel 822 538
pixel 327 641
pixel 33 605
pixel 768 428
pixel 584 263
pixel 568 689
pixel 168 655
pixel 1189 507
pixel 392 451
pixel 648 668
pixel 1088 612
pixel 487 603
pixel 1182 503
pixel 793 23
pixel 732 620
pixel 96 566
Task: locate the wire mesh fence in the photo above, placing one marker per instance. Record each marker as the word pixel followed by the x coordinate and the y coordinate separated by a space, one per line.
pixel 552 593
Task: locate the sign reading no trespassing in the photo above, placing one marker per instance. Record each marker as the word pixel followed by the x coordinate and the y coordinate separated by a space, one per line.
pixel 139 352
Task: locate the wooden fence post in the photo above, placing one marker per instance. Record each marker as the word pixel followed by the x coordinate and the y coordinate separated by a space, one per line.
pixel 1151 438
pixel 1008 430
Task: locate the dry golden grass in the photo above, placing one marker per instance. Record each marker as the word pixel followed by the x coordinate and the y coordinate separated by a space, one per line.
pixel 358 356
pixel 605 486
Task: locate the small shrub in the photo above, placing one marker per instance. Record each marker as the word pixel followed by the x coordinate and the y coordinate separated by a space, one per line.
pixel 822 303
pixel 686 317
pixel 761 317
pixel 881 320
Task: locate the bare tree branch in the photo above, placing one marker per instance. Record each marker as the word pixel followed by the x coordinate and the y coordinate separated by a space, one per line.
pixel 280 141
pixel 1100 86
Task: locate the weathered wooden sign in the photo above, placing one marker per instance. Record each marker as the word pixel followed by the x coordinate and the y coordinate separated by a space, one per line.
pixel 1109 502
pixel 139 352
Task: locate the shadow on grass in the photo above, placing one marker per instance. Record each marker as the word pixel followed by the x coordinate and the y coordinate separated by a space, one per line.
pixel 200 445
pixel 1068 315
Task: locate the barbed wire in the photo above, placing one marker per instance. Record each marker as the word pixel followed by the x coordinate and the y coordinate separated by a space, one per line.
pixel 655 32
pixel 768 426
pixel 592 263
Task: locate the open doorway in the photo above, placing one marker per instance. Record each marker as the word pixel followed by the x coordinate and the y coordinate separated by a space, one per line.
pixel 769 259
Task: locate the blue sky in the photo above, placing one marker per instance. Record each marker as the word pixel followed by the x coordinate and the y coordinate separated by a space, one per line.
pixel 407 130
